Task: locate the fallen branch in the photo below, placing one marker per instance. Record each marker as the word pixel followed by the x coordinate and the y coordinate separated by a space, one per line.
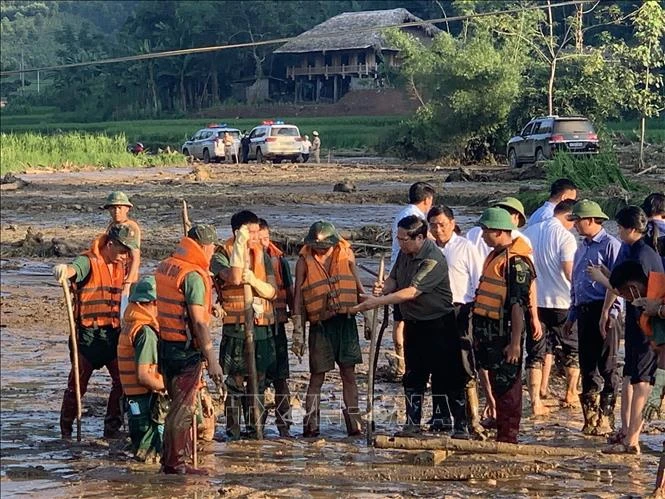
pixel 449 444
pixel 647 170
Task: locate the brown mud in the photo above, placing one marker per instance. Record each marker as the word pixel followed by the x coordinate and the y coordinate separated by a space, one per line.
pixel 34 360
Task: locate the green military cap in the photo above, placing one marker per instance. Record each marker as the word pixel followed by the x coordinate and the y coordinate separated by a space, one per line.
pixel 145 290
pixel 322 235
pixel 117 198
pixel 125 234
pixel 496 218
pixel 203 234
pixel 585 208
pixel 514 204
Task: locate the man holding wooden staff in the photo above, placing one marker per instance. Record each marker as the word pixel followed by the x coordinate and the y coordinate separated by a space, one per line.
pixel 184 307
pixel 242 261
pixel 97 277
pixel 420 284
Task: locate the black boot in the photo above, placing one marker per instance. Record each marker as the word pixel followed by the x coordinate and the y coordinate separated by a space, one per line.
pixel 441 420
pixel 591 410
pixel 232 410
pixel 414 411
pixel 458 410
pixel 605 425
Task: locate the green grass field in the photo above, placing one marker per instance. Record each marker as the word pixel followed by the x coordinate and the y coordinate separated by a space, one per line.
pixel 630 129
pixel 347 132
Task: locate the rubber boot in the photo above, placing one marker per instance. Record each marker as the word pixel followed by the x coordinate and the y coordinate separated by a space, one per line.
pixel 232 411
pixel 460 425
pixel 353 421
pixel 509 413
pixel 473 411
pixel 605 424
pixel 591 411
pixel 310 423
pixel 414 411
pixel 283 413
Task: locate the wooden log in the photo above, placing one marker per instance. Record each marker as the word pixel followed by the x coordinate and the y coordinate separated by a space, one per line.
pixel 450 444
pixel 430 457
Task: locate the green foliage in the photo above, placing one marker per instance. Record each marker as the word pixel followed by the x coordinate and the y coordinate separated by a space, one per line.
pixel 34 150
pixel 588 173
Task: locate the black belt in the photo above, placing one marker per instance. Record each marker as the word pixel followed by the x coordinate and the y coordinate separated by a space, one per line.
pixel 585 307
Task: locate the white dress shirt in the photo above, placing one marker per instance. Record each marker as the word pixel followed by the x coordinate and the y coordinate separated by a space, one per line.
pixel 545 212
pixel 475 235
pixel 465 265
pixel 410 209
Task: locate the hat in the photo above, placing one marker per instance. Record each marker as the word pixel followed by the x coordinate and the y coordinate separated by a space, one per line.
pixel 496 218
pixel 322 235
pixel 117 198
pixel 513 204
pixel 125 234
pixel 586 208
pixel 203 234
pixel 145 290
pixel 315 133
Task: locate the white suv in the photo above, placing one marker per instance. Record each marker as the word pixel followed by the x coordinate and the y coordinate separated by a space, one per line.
pixel 275 141
pixel 206 144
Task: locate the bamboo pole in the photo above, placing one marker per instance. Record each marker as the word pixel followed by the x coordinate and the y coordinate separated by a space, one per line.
pixel 250 357
pixel 75 354
pixel 450 444
pixel 372 364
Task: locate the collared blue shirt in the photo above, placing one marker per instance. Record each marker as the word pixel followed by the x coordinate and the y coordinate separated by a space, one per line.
pixel 600 249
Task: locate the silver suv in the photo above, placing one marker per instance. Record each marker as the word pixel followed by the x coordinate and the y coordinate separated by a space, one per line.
pixel 206 144
pixel 275 141
pixel 543 137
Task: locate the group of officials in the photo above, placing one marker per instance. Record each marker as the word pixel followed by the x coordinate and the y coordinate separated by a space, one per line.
pixel 466 311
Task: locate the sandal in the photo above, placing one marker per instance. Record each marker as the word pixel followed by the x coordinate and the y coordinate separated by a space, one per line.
pixel 621 448
pixel 616 437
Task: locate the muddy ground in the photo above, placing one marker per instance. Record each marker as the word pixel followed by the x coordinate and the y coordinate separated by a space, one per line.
pixel 61 212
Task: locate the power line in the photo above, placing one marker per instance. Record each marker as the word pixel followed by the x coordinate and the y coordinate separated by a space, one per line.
pixel 215 48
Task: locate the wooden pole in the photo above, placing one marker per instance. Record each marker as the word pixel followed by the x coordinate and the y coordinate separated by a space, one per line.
pixel 250 357
pixel 195 437
pixel 373 346
pixel 186 224
pixel 447 443
pixel 75 354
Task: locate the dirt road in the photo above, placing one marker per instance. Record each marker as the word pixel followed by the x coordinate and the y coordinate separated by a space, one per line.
pixel 35 362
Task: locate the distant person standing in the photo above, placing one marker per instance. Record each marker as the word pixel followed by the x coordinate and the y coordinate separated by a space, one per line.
pixel 305 148
pixel 244 145
pixel 316 147
pixel 229 144
pixel 560 190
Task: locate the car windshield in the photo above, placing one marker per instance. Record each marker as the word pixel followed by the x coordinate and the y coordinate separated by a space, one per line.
pixel 234 133
pixel 573 126
pixel 285 131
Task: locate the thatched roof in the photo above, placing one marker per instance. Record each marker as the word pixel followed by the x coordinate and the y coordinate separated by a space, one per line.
pixel 353 30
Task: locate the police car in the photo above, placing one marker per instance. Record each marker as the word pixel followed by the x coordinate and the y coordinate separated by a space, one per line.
pixel 206 144
pixel 275 141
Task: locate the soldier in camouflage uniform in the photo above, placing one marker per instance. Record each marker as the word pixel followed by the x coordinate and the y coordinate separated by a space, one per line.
pixel 501 316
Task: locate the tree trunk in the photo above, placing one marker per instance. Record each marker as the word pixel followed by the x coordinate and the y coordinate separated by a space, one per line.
pixel 550 88
pixel 183 91
pixel 214 85
pixel 643 126
pixel 579 34
pixel 153 87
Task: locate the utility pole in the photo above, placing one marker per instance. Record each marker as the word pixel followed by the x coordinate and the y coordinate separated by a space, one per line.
pixel 37 81
pixel 22 75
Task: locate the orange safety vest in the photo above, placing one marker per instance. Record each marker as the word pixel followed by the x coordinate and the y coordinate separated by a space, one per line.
pixel 332 291
pixel 655 289
pixel 98 302
pixel 279 304
pixel 136 316
pixel 172 314
pixel 493 288
pixel 232 298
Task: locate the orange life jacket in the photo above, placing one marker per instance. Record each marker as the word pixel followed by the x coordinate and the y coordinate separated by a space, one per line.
pixel 332 291
pixel 493 288
pixel 655 289
pixel 172 314
pixel 279 304
pixel 136 316
pixel 98 302
pixel 232 298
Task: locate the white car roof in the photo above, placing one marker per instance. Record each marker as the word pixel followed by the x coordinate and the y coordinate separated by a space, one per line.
pixel 221 129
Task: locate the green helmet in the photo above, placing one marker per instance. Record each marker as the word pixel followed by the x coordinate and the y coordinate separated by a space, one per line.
pixel 117 198
pixel 513 204
pixel 125 234
pixel 145 290
pixel 496 218
pixel 585 208
pixel 203 233
pixel 322 235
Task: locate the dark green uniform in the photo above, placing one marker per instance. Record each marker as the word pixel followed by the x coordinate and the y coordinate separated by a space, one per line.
pixel 491 338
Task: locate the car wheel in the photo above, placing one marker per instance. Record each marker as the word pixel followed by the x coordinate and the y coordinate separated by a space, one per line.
pixel 512 159
pixel 206 156
pixel 185 152
pixel 259 156
pixel 277 160
pixel 540 156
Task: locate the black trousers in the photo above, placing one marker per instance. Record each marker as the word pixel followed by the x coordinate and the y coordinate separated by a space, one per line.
pixel 432 348
pixel 598 356
pixel 462 317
